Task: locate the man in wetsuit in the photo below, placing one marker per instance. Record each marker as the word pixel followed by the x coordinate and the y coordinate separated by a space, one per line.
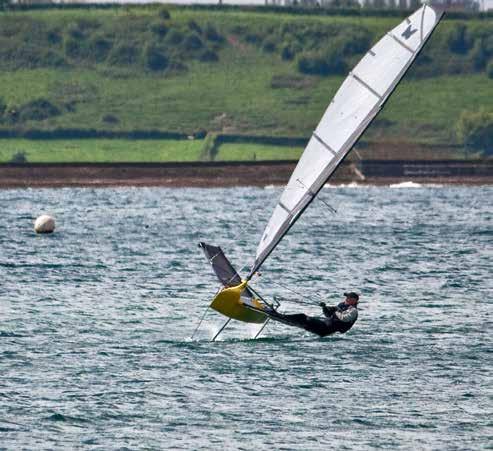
pixel 337 319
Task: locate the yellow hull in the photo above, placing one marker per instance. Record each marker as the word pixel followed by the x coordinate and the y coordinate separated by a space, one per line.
pixel 228 302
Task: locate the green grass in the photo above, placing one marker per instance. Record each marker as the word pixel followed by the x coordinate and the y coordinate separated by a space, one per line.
pixel 232 96
pixel 100 150
pixel 258 152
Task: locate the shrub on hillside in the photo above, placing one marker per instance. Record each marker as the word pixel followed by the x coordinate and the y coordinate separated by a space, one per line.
pixel 211 34
pixel 253 38
pixel 38 110
pixel 174 37
pixel 269 45
pixel 330 62
pixel 74 31
pixel 163 13
pixel 194 26
pixel 312 63
pixel 19 157
pixel 335 61
pixel 100 47
pixel 478 55
pixel 353 41
pixel 287 53
pixel 459 40
pixel 208 56
pixel 154 58
pixel 159 28
pixel 110 119
pixel 193 42
pixel 475 130
pixel 123 54
pixel 54 37
pixel 3 107
pixel 50 58
pixel 76 48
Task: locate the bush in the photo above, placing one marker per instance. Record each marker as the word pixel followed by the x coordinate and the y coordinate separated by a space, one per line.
pixel 194 26
pixel 123 55
pixel 330 62
pixel 74 31
pixel 208 56
pixel 159 28
pixel 154 58
pixel 76 48
pixel 110 119
pixel 100 47
pixel 37 110
pixel 475 130
pixel 269 46
pixel 459 39
pixel 287 53
pixel 335 61
pixel 193 42
pixel 3 107
pixel 489 69
pixel 19 157
pixel 312 64
pixel 253 38
pixel 354 42
pixel 212 34
pixel 174 37
pixel 479 57
pixel 164 13
pixel 54 37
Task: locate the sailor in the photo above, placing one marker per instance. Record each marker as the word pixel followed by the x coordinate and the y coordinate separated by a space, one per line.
pixel 342 317
pixel 339 318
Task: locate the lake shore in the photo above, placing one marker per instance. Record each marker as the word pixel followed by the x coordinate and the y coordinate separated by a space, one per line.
pixel 230 174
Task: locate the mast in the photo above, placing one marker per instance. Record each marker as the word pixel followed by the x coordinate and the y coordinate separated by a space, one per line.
pixel 357 102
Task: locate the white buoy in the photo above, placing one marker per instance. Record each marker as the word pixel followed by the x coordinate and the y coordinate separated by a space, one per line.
pixel 44 224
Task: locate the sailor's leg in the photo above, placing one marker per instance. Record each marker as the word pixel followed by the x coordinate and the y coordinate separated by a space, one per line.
pixel 319 327
pixel 299 318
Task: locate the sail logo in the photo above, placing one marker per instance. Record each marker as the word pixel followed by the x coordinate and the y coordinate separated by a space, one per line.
pixel 408 32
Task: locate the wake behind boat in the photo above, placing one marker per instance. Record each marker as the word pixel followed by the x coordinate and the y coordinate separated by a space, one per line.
pixel 357 102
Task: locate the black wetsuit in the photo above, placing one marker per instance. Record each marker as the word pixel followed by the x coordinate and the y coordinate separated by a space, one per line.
pixel 321 327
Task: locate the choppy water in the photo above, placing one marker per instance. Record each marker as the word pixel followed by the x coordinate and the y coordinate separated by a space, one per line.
pixel 96 319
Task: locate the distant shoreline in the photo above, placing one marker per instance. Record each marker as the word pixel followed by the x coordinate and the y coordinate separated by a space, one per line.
pixel 231 174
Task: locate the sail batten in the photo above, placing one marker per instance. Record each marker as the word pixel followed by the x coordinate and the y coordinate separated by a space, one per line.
pixel 356 103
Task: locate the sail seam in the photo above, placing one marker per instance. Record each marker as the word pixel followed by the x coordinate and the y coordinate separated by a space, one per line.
pixel 396 39
pixel 366 85
pixel 321 141
pixel 422 23
pixel 285 208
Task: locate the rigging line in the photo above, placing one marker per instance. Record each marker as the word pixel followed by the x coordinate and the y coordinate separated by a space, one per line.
pixel 200 322
pixel 304 298
pixel 332 209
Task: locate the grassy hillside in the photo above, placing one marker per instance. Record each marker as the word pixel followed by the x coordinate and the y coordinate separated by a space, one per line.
pixel 98 150
pixel 230 71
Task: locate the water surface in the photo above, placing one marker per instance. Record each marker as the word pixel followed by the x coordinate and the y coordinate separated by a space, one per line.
pixel 96 321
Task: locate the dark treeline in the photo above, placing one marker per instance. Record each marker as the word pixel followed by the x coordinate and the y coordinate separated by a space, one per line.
pixel 338 8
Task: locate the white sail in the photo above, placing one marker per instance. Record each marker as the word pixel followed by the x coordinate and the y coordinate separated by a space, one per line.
pixel 356 103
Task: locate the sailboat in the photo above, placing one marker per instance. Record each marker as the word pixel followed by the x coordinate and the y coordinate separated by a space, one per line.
pixel 357 102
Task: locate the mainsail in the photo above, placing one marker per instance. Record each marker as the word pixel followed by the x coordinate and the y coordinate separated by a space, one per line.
pixel 356 103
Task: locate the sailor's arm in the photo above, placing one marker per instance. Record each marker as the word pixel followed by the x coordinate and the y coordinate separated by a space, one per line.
pixel 348 315
pixel 328 311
